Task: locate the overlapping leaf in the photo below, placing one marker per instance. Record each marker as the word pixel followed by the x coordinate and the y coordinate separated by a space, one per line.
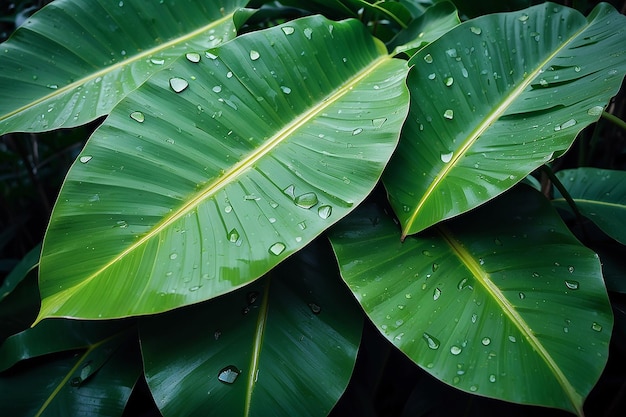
pixel 503 302
pixel 283 346
pixel 600 195
pixel 214 171
pixel 75 59
pixel 98 381
pixel 496 97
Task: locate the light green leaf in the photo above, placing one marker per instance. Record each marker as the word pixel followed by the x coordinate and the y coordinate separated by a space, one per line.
pixel 436 20
pixel 496 97
pixel 179 198
pixel 283 346
pixel 499 299
pixel 98 381
pixel 600 195
pixel 75 59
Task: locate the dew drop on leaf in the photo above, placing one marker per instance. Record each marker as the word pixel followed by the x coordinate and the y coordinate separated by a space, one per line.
pixel 432 342
pixel 476 30
pixel 324 211
pixel 486 341
pixel 137 116
pixel 446 157
pixel 193 57
pixel 595 111
pixel 428 58
pixel 306 201
pixel 217 89
pixel 285 89
pixel 357 131
pixel 596 327
pixel 288 30
pixel 308 32
pixel 277 248
pixel 436 294
pixel 448 114
pixel 178 84
pixel 233 236
pixel 455 350
pixel 84 159
pixel 572 285
pixel 157 61
pixel 254 55
pixel 228 375
pixel 523 18
pixel 449 81
pixel 315 309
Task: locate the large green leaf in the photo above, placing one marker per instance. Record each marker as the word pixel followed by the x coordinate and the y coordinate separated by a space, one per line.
pixel 180 197
pixel 97 381
pixel 75 59
pixel 600 195
pixel 503 302
pixel 283 346
pixel 495 98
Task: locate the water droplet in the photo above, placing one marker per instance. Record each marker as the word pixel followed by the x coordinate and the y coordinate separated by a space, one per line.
pixel 121 224
pixel 572 285
pixel 451 52
pixel 523 18
pixel 173 255
pixel 428 58
pixel 52 86
pixel 455 350
pixel 357 131
pixel 595 111
pixel 285 90
pixel 378 123
pixel 462 284
pixel 75 381
pixel 137 116
pixel 228 375
pixel 431 341
pixel 84 159
pixel 407 295
pixel 290 191
pixel 170 141
pixel 577 68
pixel 324 211
pixel 233 236
pixel 217 334
pixel 217 89
pixel 157 61
pixel 446 157
pixel 569 123
pixel 521 295
pixel 178 84
pixel 288 30
pixel 436 294
pixel 464 72
pixel 476 30
pixel 277 248
pixel 426 253
pixel 512 339
pixel 481 261
pixel 195 288
pixel 570 269
pixel 229 74
pixel 448 114
pixel 306 201
pixel 474 318
pixel 492 378
pixel 210 55
pixel 486 341
pixel 315 309
pixel 474 388
pixel 308 32
pixel 254 55
pixel 449 81
pixel 432 76
pixel 596 327
pixel 193 57
pixel 535 275
pixel 543 82
pixel 251 297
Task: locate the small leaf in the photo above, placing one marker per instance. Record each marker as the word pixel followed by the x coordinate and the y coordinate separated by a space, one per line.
pixel 600 195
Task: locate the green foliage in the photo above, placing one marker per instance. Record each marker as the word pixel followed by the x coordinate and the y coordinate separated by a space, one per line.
pixel 186 267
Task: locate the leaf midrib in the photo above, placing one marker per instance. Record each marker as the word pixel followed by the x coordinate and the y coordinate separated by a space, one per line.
pixel 593 203
pixel 111 68
pixel 514 317
pixel 224 180
pixel 482 127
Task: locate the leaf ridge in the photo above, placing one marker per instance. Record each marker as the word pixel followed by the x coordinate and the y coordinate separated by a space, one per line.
pixel 484 278
pixel 257 345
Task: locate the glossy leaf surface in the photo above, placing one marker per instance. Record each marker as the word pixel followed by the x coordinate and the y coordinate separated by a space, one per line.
pixel 97 381
pixel 503 302
pixel 75 59
pixel 214 171
pixel 600 195
pixel 433 23
pixel 496 97
pixel 283 346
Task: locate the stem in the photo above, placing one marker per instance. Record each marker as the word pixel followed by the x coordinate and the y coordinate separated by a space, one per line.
pixel 614 119
pixel 566 195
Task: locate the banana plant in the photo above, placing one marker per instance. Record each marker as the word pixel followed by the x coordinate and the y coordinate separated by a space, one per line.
pixel 188 253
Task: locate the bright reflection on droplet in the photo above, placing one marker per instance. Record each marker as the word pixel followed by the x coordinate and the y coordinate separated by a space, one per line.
pixel 228 375
pixel 254 55
pixel 193 57
pixel 137 116
pixel 446 157
pixel 85 159
pixel 178 84
pixel 277 248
